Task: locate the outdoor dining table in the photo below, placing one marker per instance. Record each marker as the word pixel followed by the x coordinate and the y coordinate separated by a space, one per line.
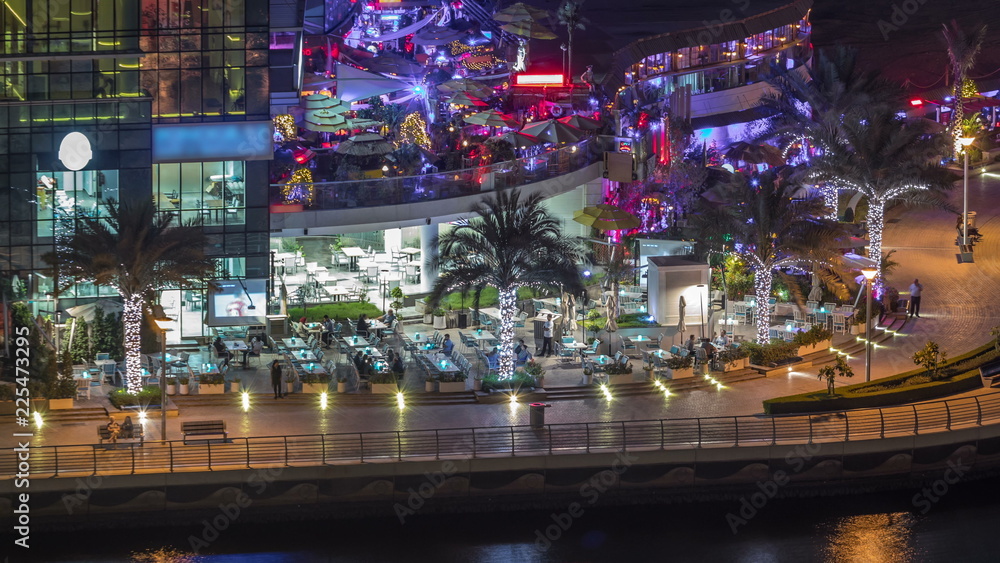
pixel 602 360
pixel 304 356
pixel 206 369
pixel 481 335
pixel 639 338
pixel 375 324
pixel 356 341
pixel 442 364
pixel 372 351
pixel 784 332
pixel 353 253
pixel 294 343
pixel 410 253
pixel 314 368
pixel 336 292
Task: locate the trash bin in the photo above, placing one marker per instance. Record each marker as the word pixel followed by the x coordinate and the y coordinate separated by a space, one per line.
pixel 536 412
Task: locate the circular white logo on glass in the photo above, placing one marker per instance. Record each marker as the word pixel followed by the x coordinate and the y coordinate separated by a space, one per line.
pixel 75 151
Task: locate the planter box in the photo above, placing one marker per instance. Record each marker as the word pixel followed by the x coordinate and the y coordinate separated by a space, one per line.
pixel 182 389
pixel 289 387
pixel 430 386
pixel 171 389
pixel 341 387
pixel 315 387
pixel 9 407
pixel 60 404
pixel 739 364
pixel 682 373
pixel 451 386
pixel 428 318
pixel 441 323
pixel 621 378
pixel 211 389
pixel 421 307
pixel 818 347
pixel 384 388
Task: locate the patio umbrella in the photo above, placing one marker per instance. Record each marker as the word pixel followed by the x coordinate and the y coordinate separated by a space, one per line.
pixel 466 99
pixel 88 311
pixel 552 131
pixel 492 118
pixel 754 154
pixel 528 28
pixel 322 101
pixel 581 122
pixel 365 144
pixel 520 12
pixel 363 123
pixel 604 217
pixel 520 140
pixel 437 36
pixel 681 325
pixel 468 85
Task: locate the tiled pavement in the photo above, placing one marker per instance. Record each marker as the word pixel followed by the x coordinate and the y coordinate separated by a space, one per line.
pixel 959 308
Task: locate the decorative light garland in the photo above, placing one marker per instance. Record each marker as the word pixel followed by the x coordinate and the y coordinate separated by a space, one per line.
pixel 299 188
pixel 132 313
pixel 284 125
pixel 507 305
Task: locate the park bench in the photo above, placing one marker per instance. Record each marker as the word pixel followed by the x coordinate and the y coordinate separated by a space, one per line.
pixel 990 371
pixel 135 434
pixel 204 428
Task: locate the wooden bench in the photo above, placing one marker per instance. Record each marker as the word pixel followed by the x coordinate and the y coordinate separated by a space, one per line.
pixel 135 434
pixel 990 371
pixel 204 428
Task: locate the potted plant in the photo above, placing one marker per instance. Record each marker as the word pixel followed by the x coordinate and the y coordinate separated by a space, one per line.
pixel 397 299
pixel 182 384
pixel 830 373
pixel 429 384
pixel 289 382
pixel 681 368
pixel 384 383
pixel 733 359
pixel 535 370
pixel 588 375
pixel 440 319
pixel 342 384
pixel 619 373
pixel 315 382
pixel 455 383
pixel 211 384
pixel 816 339
pixel 477 384
pixel 171 386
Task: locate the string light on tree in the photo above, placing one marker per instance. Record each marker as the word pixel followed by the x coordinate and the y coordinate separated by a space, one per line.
pixel 299 188
pixel 284 125
pixel 414 130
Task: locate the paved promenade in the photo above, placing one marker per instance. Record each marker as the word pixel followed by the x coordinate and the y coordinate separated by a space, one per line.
pixel 959 308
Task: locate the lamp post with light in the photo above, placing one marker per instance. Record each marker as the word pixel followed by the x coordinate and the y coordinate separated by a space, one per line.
pixel 869 274
pixel 966 141
pixel 163 323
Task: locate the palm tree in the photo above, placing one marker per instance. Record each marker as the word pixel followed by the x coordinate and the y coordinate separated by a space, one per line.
pixel 886 158
pixel 962 51
pixel 769 224
pixel 804 106
pixel 512 243
pixel 137 251
pixel 569 15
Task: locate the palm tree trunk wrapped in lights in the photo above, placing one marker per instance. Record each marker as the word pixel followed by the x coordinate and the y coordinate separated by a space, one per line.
pixel 511 243
pixel 137 251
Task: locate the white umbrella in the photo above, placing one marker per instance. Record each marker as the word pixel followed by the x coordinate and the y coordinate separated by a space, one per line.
pixel 681 325
pixel 88 311
pixel 816 293
pixel 571 311
pixel 611 305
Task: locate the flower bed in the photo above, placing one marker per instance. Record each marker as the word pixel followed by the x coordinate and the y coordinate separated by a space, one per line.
pixel 122 399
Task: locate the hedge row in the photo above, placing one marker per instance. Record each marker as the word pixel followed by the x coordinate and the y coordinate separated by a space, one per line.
pixel 852 396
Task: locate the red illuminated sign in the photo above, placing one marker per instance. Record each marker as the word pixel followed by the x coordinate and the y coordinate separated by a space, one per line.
pixel 539 80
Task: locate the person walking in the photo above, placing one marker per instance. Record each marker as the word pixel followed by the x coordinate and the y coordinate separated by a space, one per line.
pixel 916 288
pixel 276 379
pixel 547 337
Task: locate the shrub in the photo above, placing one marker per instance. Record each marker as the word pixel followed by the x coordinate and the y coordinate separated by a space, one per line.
pixel 830 373
pixel 212 378
pixel 771 353
pixel 618 368
pixel 121 398
pixel 518 381
pixel 339 311
pixel 930 358
pixel 813 336
pixel 678 362
pixel 324 378
pixel 534 368
pixel 378 379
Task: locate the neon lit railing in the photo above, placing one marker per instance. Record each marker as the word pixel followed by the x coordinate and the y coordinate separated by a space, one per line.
pixel 456 183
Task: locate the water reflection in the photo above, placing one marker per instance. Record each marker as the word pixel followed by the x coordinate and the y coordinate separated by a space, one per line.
pixel 871 538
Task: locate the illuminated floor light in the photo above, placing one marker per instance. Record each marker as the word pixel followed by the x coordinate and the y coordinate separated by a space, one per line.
pixel 245 399
pixel 323 401
pixel 142 416
pixel 606 391
pixel 38 419
pixel 400 400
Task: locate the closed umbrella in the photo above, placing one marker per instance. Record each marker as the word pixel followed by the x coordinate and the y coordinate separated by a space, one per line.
pixel 581 122
pixel 682 311
pixel 492 118
pixel 611 307
pixel 89 311
pixel 604 217
pixel 552 131
pixel 816 293
pixel 571 311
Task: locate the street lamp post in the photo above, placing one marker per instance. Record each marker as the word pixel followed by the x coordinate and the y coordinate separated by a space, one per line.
pixel 966 141
pixel 869 274
pixel 163 323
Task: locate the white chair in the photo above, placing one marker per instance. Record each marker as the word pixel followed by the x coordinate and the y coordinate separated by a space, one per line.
pixel 839 323
pixel 83 388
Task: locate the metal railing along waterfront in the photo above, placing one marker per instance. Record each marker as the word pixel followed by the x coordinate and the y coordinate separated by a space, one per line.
pixel 463 443
pixel 455 183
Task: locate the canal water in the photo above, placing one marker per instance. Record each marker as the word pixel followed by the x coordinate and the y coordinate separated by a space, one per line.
pixel 958 526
